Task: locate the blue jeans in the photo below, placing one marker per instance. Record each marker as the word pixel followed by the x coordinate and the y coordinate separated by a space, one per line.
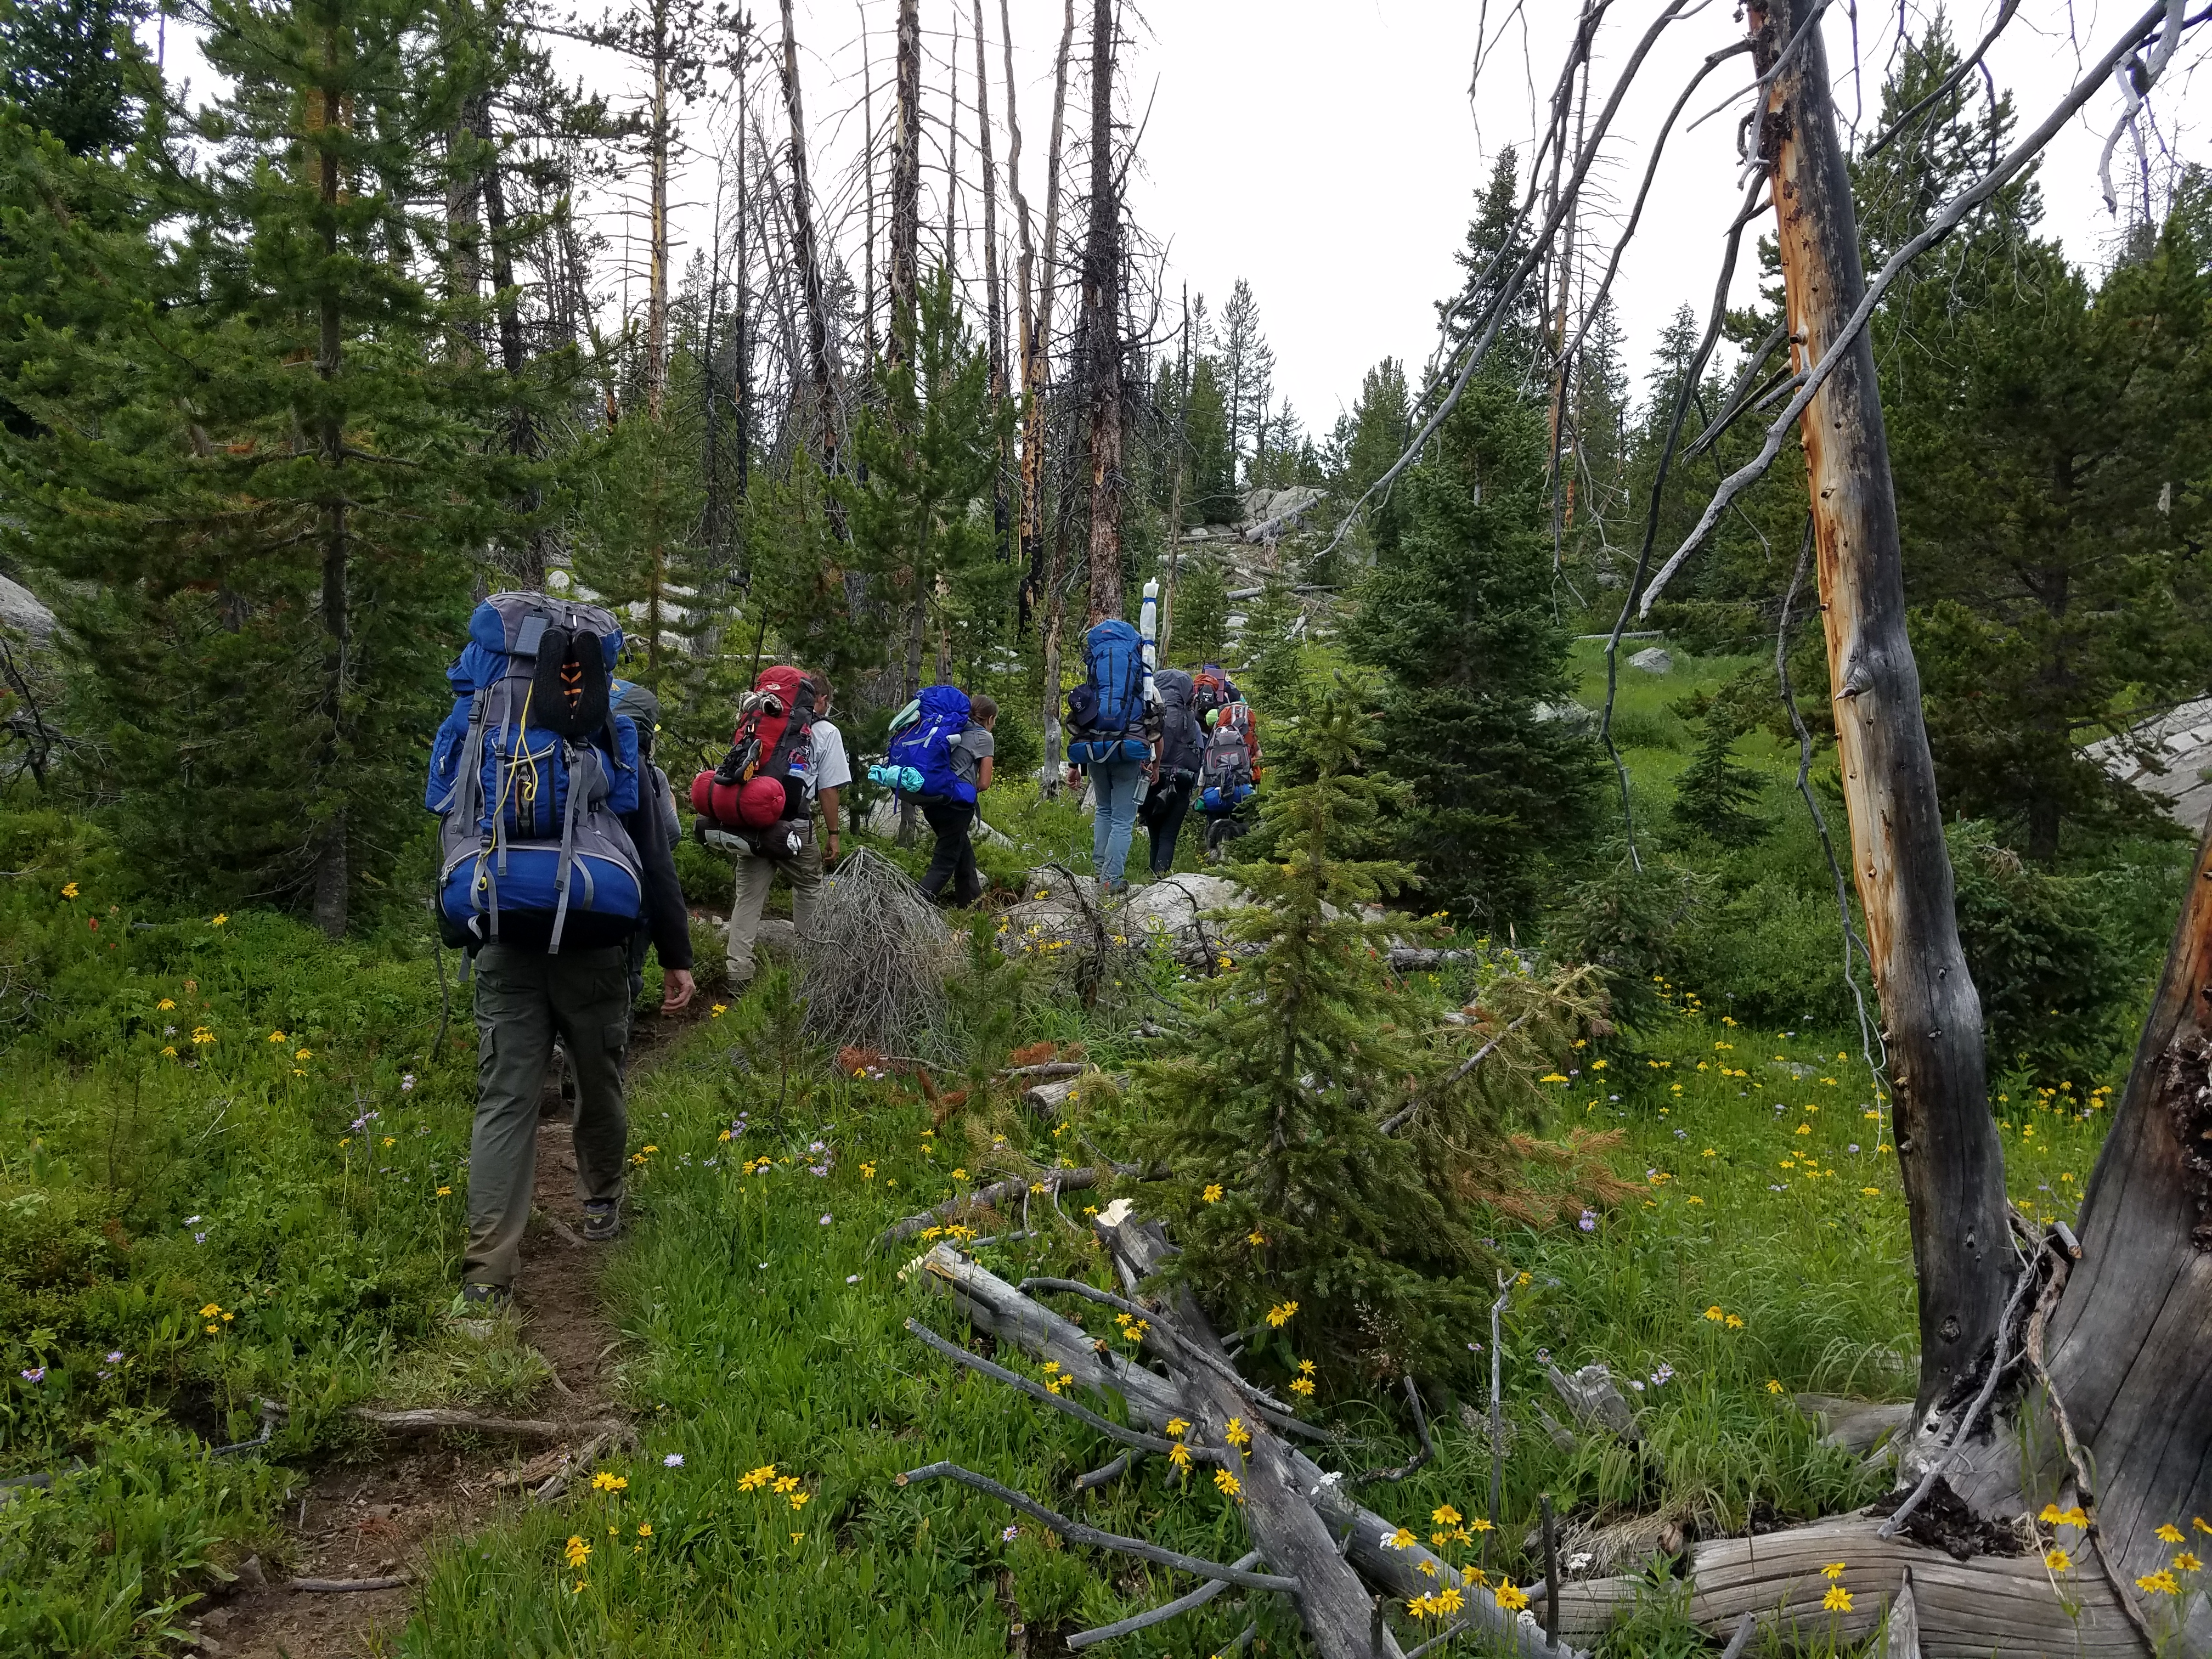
pixel 1113 784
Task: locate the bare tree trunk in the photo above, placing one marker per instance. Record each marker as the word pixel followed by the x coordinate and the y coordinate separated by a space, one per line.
pixel 2130 1364
pixel 1946 1143
pixel 994 299
pixel 522 438
pixel 1102 325
pixel 463 252
pixel 1036 347
pixel 656 302
pixel 1035 374
pixel 906 185
pixel 868 197
pixel 803 251
pixel 332 872
pixel 1174 484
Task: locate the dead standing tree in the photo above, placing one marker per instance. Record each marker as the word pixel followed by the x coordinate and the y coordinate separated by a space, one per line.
pixel 820 369
pixel 1102 328
pixel 1946 1139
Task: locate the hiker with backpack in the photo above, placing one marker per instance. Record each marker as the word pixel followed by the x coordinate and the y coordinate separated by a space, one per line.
pixel 1228 773
pixel 1178 753
pixel 1106 716
pixel 784 756
pixel 940 758
pixel 551 853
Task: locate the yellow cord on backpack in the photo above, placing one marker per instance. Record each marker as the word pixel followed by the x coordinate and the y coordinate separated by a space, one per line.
pixel 507 782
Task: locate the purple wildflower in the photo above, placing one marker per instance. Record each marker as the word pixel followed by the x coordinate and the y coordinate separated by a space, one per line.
pixel 673 1461
pixel 36 1373
pixel 1589 1223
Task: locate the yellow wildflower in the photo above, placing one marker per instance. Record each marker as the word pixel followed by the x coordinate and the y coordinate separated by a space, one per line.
pixel 1211 1194
pixel 2160 1582
pixel 1445 1515
pixel 1512 1600
pixel 605 1482
pixel 165 1005
pixel 1236 1434
pixel 2186 1561
pixel 577 1551
pixel 1177 1427
pixel 1715 1314
pixel 1838 1600
pixel 1279 1315
pixel 1228 1483
pixel 2057 1560
pixel 1832 1571
pixel 1402 1539
pixel 755 1478
pixel 2168 1534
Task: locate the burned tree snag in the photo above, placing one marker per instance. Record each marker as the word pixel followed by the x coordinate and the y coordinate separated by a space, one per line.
pixel 806 256
pixel 1102 325
pixel 1946 1143
pixel 906 184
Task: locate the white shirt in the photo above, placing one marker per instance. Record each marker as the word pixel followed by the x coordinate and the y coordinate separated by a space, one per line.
pixel 832 770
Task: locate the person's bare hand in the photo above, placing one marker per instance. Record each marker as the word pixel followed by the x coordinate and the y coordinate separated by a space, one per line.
pixel 830 857
pixel 676 989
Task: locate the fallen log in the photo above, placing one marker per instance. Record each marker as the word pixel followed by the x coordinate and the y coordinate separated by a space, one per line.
pixel 1970 1609
pixel 1279 1482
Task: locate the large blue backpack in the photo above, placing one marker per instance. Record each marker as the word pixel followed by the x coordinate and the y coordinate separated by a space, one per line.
pixel 530 774
pixel 920 763
pixel 1105 712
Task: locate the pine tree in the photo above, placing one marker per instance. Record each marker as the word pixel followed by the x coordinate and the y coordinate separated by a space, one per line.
pixel 920 512
pixel 1715 794
pixel 1274 658
pixel 1288 1191
pixel 1202 622
pixel 263 471
pixel 67 67
pixel 1495 241
pixel 1245 366
pixel 1211 498
pixel 1370 439
pixel 1459 618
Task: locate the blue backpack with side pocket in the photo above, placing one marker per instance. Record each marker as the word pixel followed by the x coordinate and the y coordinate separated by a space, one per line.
pixel 919 764
pixel 1105 712
pixel 531 772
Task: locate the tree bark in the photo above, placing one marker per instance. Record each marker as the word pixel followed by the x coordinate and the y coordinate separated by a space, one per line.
pixel 1036 344
pixel 331 868
pixel 522 439
pixel 1102 325
pixel 1174 485
pixel 2132 1342
pixel 804 253
pixel 656 303
pixel 905 185
pixel 1946 1143
pixel 994 295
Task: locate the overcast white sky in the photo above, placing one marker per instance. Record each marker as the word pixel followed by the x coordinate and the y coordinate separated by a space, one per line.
pixel 1329 154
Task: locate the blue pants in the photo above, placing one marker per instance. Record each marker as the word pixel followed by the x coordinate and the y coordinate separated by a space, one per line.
pixel 1114 786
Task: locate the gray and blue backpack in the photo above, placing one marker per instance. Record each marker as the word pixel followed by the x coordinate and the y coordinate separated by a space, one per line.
pixel 530 774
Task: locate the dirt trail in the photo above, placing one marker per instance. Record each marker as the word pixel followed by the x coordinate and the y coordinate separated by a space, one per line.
pixel 381 1517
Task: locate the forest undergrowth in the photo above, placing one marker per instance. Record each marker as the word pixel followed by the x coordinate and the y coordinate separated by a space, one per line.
pixel 235 1171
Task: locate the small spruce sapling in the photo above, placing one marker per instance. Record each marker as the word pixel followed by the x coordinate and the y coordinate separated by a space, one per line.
pixel 1717 795
pixel 1285 1189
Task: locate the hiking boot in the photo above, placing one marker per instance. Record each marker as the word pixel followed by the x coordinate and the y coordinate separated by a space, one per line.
pixel 602 1220
pixel 476 1309
pixel 1117 887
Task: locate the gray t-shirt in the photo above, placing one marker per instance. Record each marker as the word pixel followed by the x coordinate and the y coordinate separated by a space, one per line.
pixel 969 750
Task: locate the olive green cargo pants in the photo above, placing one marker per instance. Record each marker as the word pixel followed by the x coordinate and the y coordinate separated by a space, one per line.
pixel 523 1000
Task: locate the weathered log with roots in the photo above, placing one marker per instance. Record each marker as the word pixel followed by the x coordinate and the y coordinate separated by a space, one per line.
pixel 1335 1559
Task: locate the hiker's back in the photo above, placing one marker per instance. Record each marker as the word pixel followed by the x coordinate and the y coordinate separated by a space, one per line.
pixel 530 774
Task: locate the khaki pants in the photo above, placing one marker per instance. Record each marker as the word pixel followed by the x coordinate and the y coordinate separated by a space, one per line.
pixel 522 999
pixel 754 875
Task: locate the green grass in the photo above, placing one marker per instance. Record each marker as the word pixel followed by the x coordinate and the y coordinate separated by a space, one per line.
pixel 762 1334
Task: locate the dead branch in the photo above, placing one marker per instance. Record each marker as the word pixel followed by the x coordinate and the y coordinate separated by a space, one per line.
pixel 342 1586
pixel 1420 1428
pixel 1076 1532
pixel 1160 1615
pixel 1053 1181
pixel 433 1420
pixel 1939 227
pixel 1038 1392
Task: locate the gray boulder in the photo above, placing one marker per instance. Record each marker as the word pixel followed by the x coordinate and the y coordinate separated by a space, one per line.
pixel 1653 660
pixel 22 610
